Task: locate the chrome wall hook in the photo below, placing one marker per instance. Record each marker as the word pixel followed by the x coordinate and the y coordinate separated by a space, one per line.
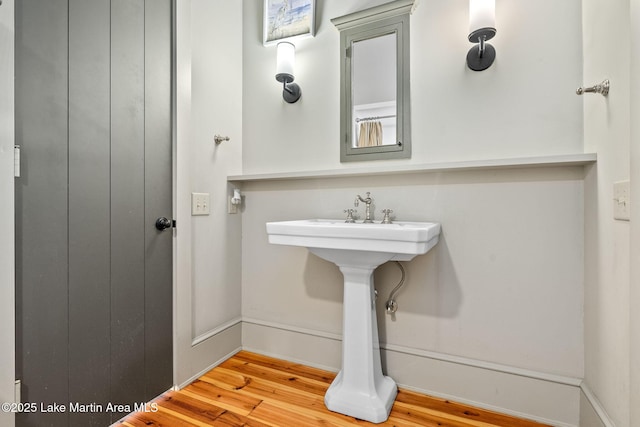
pixel 219 139
pixel 602 89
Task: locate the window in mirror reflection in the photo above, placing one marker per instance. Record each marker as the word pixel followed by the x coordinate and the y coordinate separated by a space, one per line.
pixel 374 91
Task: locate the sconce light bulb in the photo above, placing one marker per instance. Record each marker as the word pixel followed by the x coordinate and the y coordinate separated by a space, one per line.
pixel 482 27
pixel 482 20
pixel 285 62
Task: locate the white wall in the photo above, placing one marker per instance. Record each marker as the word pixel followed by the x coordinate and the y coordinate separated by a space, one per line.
pixel 504 285
pixel 182 305
pixel 523 105
pixel 607 242
pixel 207 256
pixel 7 294
pixel 216 108
pixel 634 397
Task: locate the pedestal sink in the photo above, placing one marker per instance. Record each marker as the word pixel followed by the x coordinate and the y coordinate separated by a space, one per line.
pixel 360 390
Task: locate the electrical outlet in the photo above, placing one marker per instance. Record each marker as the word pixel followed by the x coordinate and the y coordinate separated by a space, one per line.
pixel 199 204
pixel 621 201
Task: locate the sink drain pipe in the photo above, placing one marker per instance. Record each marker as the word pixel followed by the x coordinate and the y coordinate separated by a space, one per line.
pixel 392 305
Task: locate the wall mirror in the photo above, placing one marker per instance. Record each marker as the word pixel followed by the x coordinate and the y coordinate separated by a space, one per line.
pixel 375 122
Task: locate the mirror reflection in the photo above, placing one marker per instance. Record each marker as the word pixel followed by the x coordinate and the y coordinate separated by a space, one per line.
pixel 374 91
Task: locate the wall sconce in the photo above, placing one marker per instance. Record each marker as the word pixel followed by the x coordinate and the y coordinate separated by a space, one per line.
pixel 482 27
pixel 285 62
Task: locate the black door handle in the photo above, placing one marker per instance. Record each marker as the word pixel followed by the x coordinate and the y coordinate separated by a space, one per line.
pixel 163 223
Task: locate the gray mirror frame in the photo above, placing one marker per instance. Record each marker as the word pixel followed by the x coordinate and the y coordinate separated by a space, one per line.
pixel 381 20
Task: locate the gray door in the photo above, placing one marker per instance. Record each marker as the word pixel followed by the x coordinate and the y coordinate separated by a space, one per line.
pixel 93 274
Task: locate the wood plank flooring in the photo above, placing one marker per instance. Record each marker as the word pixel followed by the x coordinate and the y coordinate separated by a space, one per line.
pixel 258 391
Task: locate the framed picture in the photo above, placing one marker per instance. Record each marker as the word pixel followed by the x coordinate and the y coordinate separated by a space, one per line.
pixel 284 19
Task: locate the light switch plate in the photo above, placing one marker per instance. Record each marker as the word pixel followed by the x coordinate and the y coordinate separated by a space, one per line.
pixel 200 204
pixel 621 201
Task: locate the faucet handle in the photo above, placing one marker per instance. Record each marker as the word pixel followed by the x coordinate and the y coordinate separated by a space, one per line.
pixel 387 218
pixel 350 213
pixel 359 199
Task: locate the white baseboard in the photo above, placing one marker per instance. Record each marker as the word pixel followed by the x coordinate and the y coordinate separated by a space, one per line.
pixel 207 369
pixel 213 350
pixel 592 413
pixel 542 397
pixel 202 338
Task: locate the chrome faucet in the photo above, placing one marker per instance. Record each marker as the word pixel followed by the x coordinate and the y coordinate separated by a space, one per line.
pixel 367 201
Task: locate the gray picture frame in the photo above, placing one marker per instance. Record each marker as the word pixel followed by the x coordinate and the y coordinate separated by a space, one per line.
pixel 288 19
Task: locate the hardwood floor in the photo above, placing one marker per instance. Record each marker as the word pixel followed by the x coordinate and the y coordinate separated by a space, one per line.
pixel 257 391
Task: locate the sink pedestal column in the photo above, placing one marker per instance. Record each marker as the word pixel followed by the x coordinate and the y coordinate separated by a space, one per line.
pixel 360 390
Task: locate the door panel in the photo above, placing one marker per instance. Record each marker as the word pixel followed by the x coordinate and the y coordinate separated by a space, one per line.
pixel 158 177
pixel 127 205
pixel 41 204
pixel 89 219
pixel 94 276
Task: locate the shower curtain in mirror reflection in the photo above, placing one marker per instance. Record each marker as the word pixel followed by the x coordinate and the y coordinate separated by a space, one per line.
pixel 370 134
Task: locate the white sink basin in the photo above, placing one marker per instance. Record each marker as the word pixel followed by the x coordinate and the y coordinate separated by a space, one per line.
pixel 360 390
pixel 403 239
